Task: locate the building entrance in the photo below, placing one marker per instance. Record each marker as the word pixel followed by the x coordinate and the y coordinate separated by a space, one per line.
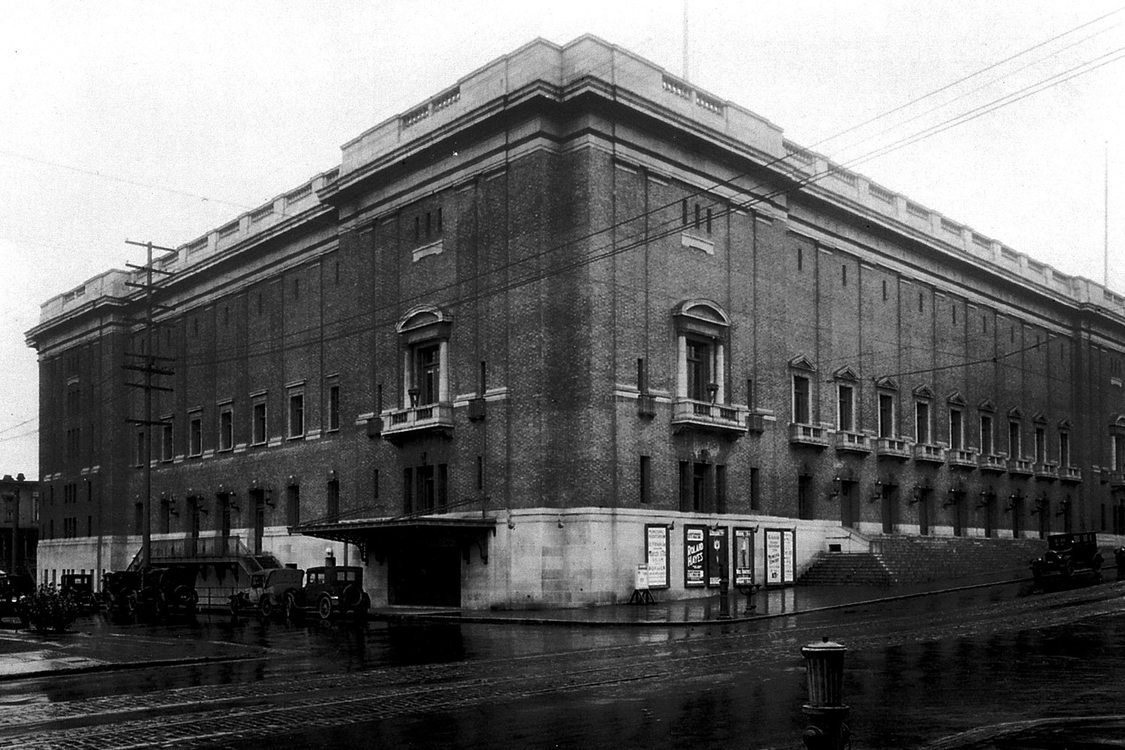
pixel 425 574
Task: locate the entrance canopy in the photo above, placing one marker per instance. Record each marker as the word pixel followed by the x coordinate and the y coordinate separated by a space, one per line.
pixel 376 536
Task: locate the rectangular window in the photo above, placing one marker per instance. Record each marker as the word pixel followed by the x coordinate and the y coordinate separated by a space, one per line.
pixel 140 457
pixel 334 407
pixel 1064 449
pixel 296 415
pixel 685 485
pixel 480 472
pixel 986 434
pixel 195 435
pixel 1119 453
pixel 801 403
pixel 956 429
pixel 698 369
pixel 683 212
pixel 332 503
pixel 166 440
pixel 884 290
pixel 755 489
pixel 258 423
pixel 886 415
pixel 845 408
pixel 843 275
pixel 800 258
pixel 804 499
pixel 1040 445
pixel 645 480
pixel 427 363
pixel 720 488
pixel 708 221
pixel 922 422
pixel 408 490
pixel 1014 443
pixel 293 504
pixel 226 429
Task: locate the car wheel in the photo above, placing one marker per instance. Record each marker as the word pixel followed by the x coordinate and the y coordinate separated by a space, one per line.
pixel 351 597
pixel 363 606
pixel 324 607
pixel 265 606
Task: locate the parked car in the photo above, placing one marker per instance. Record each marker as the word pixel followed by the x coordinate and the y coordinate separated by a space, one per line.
pixel 14 590
pixel 1067 556
pixel 154 591
pixel 79 588
pixel 268 592
pixel 329 590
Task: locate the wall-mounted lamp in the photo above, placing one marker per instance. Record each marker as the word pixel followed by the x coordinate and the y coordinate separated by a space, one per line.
pixel 232 502
pixel 511 523
pixel 1064 507
pixel 331 475
pixel 413 393
pixel 917 492
pixel 267 497
pixel 560 521
pixel 837 486
pixel 712 391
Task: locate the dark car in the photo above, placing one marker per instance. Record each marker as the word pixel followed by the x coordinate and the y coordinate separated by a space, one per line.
pixel 79 588
pixel 14 590
pixel 332 589
pixel 154 591
pixel 1068 556
pixel 269 592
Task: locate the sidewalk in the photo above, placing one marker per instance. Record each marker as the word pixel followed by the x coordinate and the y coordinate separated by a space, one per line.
pixel 766 603
pixel 89 647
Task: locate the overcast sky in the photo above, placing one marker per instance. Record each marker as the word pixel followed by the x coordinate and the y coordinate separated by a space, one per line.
pixel 159 121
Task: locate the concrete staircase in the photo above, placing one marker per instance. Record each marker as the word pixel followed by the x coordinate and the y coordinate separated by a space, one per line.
pixel 897 559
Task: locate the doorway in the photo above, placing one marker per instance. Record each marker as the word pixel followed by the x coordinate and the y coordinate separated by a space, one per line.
pixel 424 574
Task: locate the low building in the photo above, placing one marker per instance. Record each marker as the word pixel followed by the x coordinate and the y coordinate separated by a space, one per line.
pixel 19 524
pixel 570 315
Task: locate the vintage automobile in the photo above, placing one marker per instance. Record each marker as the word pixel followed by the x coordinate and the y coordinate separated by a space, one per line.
pixel 1068 556
pixel 79 588
pixel 14 590
pixel 331 589
pixel 154 591
pixel 268 593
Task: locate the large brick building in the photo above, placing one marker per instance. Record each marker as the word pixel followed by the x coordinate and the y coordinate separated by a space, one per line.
pixel 570 312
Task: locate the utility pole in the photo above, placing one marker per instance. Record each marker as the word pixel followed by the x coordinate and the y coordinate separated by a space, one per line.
pixel 148 368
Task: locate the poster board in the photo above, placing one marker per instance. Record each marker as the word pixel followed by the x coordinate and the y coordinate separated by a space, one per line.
pixel 695 556
pixel 718 559
pixel 656 555
pixel 781 558
pixel 743 556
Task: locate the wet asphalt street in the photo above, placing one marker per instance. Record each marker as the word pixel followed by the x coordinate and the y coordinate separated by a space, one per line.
pixel 986 668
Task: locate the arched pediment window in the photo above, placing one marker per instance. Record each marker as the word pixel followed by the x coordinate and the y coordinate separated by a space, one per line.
pixel 424 337
pixel 702 329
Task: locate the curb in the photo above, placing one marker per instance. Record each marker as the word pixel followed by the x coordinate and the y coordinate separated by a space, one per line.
pixel 554 621
pixel 120 666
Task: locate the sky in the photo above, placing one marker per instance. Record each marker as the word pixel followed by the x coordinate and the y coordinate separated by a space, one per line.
pixel 160 121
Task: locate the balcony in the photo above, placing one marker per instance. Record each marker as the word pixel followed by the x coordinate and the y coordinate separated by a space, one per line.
pixel 1021 466
pixel 996 463
pixel 961 458
pixel 1114 478
pixel 1070 473
pixel 888 447
pixel 853 442
pixel 756 423
pixel 1046 470
pixel 401 423
pixel 689 414
pixel 929 453
pixel 807 434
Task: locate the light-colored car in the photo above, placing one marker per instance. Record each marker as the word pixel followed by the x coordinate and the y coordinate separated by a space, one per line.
pixel 269 592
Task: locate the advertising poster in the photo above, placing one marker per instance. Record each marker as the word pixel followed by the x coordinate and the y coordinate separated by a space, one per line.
pixel 789 556
pixel 773 557
pixel 743 557
pixel 718 563
pixel 656 556
pixel 695 555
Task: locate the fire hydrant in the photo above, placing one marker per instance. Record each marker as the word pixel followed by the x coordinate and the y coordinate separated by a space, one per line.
pixel 826 712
